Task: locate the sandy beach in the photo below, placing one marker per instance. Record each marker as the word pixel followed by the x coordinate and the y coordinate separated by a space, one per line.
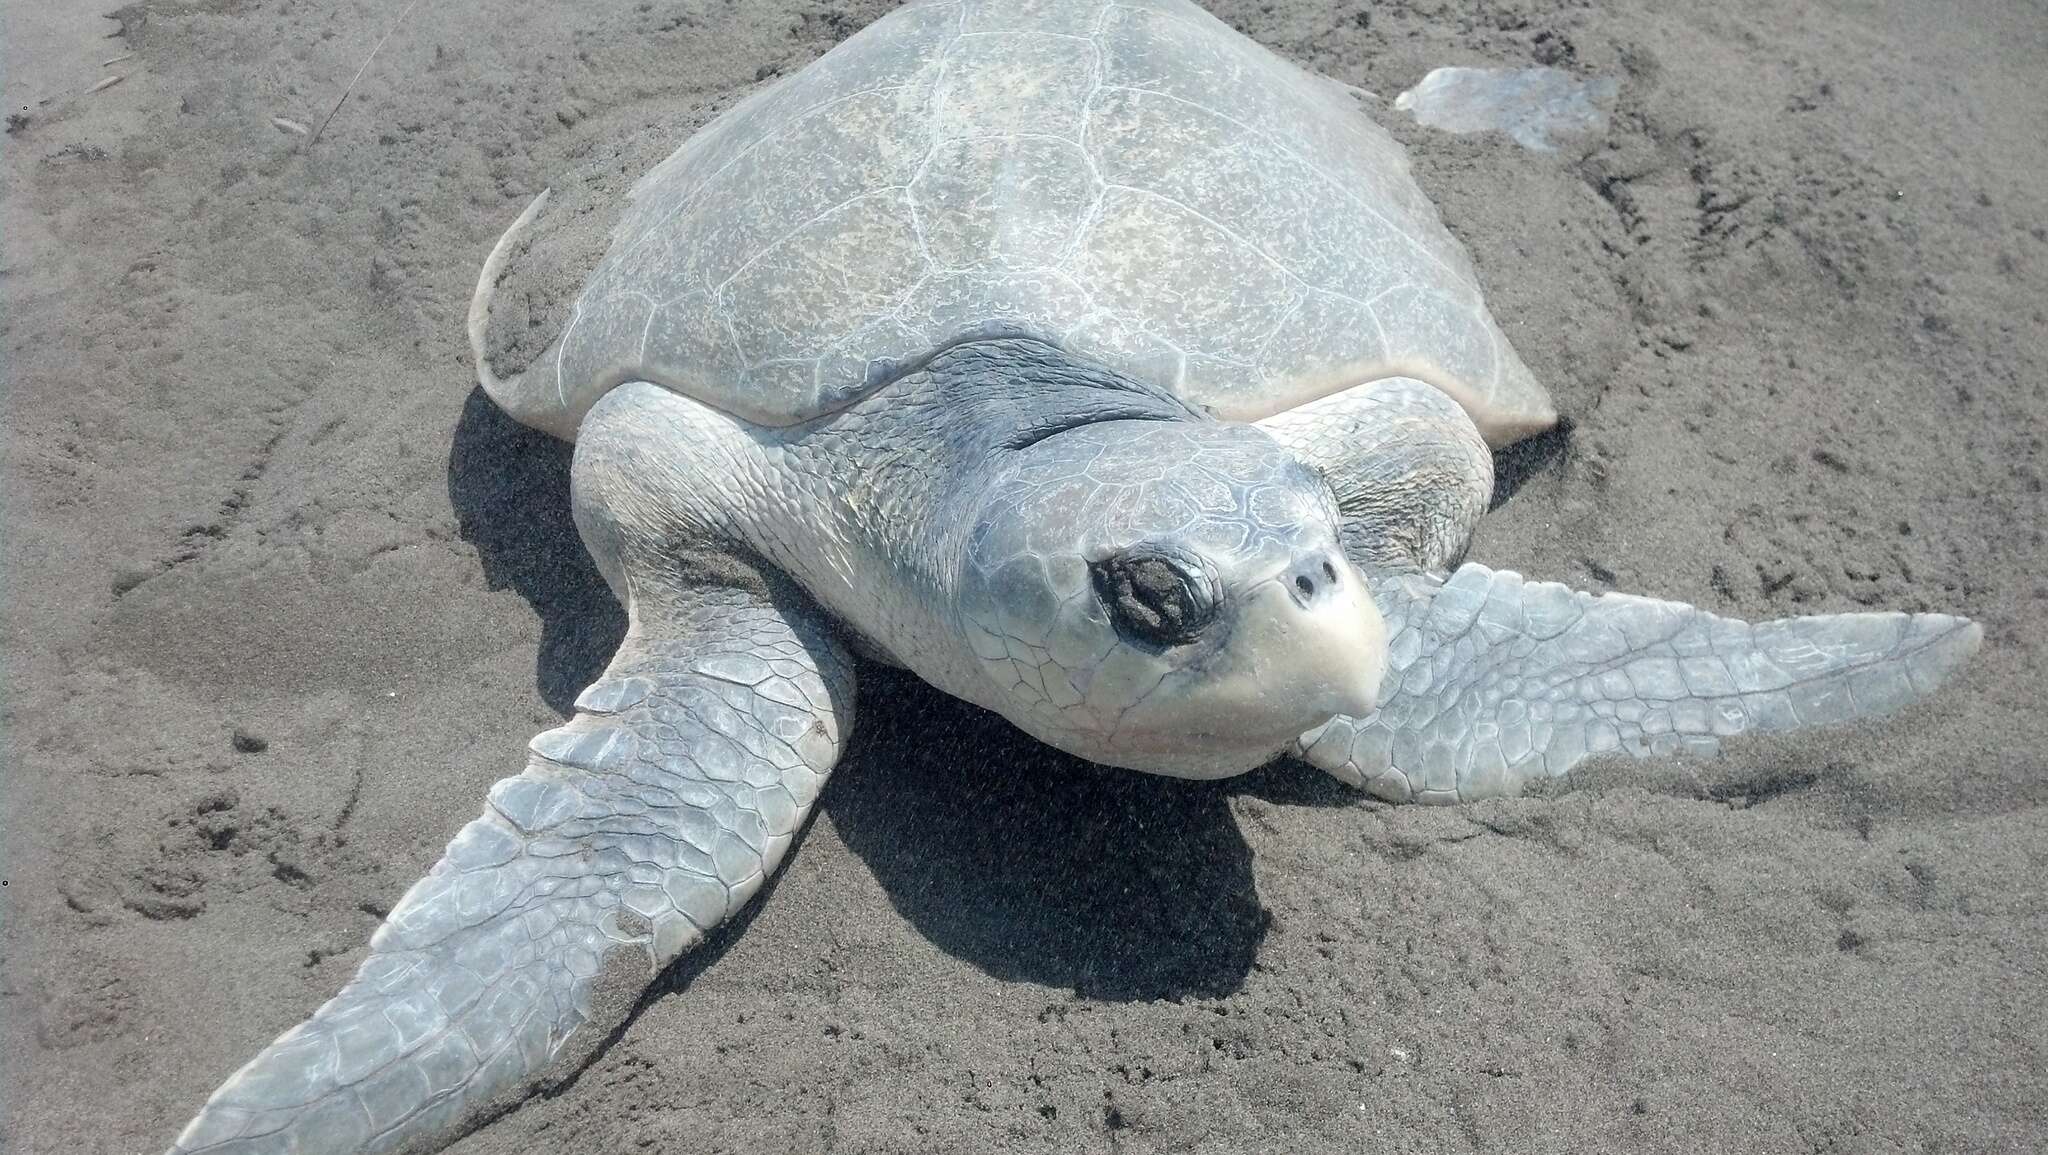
pixel 284 594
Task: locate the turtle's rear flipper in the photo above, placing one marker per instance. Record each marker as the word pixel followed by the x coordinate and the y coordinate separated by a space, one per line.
pixel 1493 681
pixel 638 826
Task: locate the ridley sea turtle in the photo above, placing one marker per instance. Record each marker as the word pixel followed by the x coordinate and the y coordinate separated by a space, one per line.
pixel 1104 370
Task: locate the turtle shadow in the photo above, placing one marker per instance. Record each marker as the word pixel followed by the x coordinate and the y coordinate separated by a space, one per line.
pixel 510 489
pixel 1514 465
pixel 1030 864
pixel 1040 867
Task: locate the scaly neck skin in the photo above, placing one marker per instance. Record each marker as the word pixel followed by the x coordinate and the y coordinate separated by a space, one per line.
pixel 900 479
pixel 869 509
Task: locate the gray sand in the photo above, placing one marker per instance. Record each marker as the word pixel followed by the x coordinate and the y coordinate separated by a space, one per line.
pixel 285 595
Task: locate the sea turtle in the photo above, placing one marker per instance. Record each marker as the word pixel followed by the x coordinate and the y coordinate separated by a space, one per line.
pixel 1106 371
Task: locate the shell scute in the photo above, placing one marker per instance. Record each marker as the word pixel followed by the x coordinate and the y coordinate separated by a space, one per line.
pixel 1134 182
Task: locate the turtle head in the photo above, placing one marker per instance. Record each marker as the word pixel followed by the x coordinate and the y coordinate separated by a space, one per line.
pixel 1167 596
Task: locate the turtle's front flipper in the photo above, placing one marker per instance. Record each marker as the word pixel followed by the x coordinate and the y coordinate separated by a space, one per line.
pixel 646 820
pixel 1493 681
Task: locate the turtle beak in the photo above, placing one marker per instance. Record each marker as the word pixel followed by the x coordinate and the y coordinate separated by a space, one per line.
pixel 1325 643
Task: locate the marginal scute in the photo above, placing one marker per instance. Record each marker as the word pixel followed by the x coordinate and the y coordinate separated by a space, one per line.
pixel 1326 343
pixel 687 339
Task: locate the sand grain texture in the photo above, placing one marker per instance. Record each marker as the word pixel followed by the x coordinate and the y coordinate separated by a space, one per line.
pixel 284 595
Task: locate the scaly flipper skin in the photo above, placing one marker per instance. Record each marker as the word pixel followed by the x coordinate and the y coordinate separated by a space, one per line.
pixel 649 818
pixel 1493 681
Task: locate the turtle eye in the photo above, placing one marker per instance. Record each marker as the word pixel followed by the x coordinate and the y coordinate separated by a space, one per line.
pixel 1154 596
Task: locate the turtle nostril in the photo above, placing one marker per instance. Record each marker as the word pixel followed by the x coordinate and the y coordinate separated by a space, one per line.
pixel 1306 572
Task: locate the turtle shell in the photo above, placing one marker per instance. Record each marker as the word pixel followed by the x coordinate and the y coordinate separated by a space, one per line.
pixel 1133 181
